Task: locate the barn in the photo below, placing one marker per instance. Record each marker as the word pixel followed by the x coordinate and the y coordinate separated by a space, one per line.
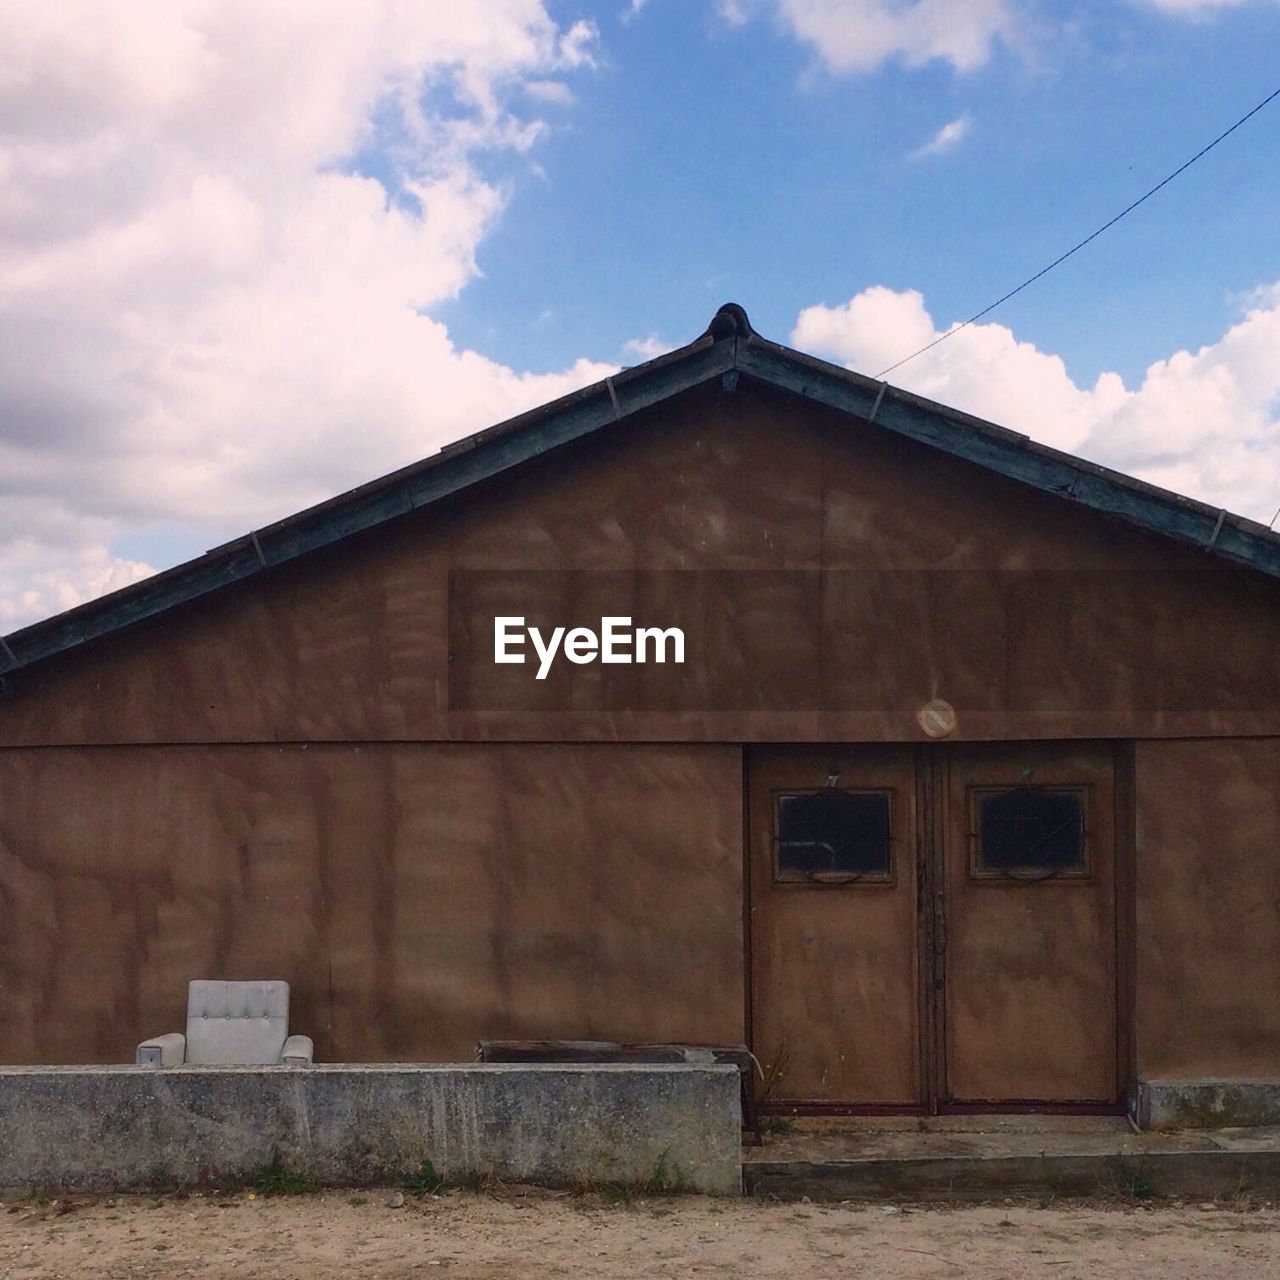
pixel 737 698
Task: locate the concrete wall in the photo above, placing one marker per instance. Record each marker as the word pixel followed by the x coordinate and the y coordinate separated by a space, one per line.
pixel 127 1128
pixel 416 898
pixel 1206 1104
pixel 1208 909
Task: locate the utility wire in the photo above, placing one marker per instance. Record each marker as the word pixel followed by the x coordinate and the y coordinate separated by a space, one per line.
pixel 1204 151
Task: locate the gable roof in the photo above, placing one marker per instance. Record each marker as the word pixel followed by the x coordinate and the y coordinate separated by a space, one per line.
pixel 729 350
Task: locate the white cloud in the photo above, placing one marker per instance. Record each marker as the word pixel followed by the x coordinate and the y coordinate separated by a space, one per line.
pixel 1193 8
pixel 577 47
pixel 861 35
pixel 550 91
pixel 951 135
pixel 633 10
pixel 208 314
pixel 37 579
pixel 646 348
pixel 1205 423
pixel 856 36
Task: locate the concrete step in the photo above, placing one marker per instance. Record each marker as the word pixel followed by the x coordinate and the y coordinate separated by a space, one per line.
pixel 967 1164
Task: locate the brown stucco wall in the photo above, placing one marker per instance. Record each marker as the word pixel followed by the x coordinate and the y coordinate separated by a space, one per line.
pixel 353 644
pixel 418 898
pixel 1208 909
pixel 425 879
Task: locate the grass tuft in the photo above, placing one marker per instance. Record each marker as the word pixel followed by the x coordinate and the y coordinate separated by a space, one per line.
pixel 277 1179
pixel 426 1182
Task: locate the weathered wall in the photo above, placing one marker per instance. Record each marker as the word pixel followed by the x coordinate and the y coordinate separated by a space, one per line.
pixel 1208 909
pixel 1087 638
pixel 416 898
pixel 130 1129
pixel 419 896
pixel 1206 1104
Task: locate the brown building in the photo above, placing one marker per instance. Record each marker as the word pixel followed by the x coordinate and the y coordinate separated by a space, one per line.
pixel 967 791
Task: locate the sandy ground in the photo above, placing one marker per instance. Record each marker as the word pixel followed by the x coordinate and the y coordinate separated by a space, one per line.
pixel 516 1232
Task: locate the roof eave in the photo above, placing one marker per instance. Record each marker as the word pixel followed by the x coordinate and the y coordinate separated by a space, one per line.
pixel 456 467
pixel 497 449
pixel 1212 529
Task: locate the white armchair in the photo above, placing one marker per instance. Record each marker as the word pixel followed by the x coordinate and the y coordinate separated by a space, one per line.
pixel 231 1024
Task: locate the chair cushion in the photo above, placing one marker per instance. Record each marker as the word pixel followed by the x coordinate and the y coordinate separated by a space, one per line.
pixel 236 1023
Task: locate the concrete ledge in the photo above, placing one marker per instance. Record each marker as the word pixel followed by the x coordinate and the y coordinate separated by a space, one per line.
pixel 1207 1174
pixel 1206 1104
pixel 134 1128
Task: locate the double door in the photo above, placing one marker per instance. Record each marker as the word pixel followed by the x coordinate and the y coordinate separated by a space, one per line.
pixel 934 927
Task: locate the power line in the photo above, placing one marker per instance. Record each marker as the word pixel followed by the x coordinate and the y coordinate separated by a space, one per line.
pixel 1204 151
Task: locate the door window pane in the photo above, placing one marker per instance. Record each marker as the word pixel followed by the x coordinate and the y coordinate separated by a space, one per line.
pixel 1030 832
pixel 833 833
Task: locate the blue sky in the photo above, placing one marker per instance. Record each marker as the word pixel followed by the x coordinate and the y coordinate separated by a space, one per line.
pixel 252 256
pixel 706 162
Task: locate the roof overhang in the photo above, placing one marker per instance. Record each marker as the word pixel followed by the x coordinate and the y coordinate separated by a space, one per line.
pixel 729 351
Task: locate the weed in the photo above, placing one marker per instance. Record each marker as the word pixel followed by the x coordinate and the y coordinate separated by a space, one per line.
pixel 1241 1201
pixel 1139 1186
pixel 426 1182
pixel 775 1072
pixel 666 1179
pixel 277 1179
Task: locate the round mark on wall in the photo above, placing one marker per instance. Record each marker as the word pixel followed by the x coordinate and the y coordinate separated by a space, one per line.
pixel 937 718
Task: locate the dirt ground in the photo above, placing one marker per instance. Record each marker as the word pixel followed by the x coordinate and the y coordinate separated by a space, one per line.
pixel 518 1232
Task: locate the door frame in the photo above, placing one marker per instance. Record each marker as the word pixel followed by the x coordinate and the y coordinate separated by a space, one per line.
pixel 930 864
